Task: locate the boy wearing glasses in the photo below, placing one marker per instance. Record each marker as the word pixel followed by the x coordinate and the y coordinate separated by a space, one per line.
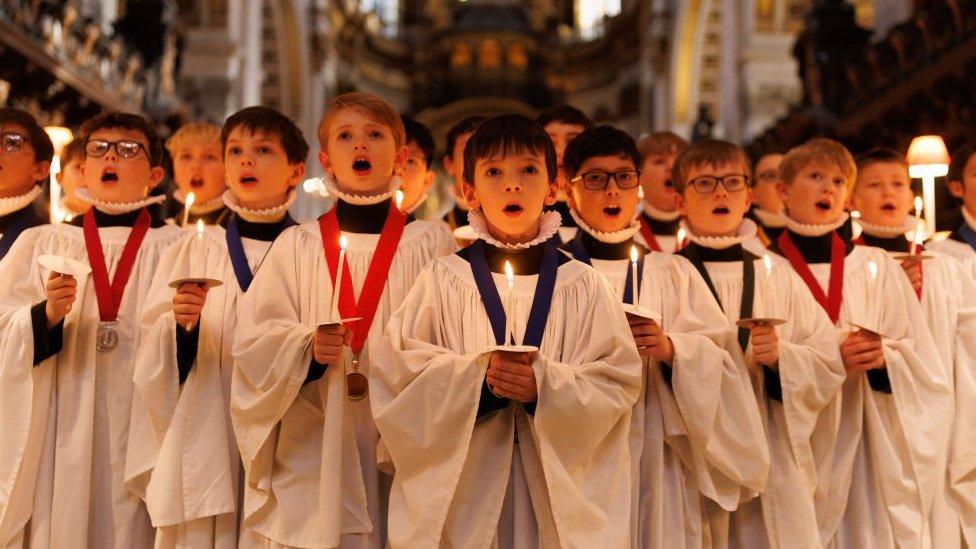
pixel 767 206
pixel 68 348
pixel 680 442
pixel 795 368
pixel 25 160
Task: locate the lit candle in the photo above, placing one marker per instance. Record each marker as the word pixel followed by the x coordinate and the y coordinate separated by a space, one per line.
pixel 768 265
pixel 917 237
pixel 681 239
pixel 509 313
pixel 190 199
pixel 635 290
pixel 337 287
pixel 855 224
pixel 399 199
pixel 199 230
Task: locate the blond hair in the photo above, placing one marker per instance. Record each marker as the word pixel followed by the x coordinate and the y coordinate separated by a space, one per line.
pixel 372 106
pixel 819 150
pixel 710 152
pixel 193 131
pixel 662 143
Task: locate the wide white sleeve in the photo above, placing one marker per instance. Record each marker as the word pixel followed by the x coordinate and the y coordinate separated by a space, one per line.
pixel 962 457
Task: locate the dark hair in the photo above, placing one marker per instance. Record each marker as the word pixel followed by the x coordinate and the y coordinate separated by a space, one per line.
pixel 508 134
pixel 960 157
pixel 468 125
pixel 126 121
pixel 879 155
pixel 567 114
pixel 599 141
pixel 419 134
pixel 271 122
pixel 39 140
pixel 75 149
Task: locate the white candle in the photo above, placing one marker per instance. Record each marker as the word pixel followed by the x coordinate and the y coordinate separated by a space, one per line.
pixel 199 230
pixel 509 306
pixel 768 267
pixel 337 286
pixel 399 199
pixel 681 239
pixel 634 290
pixel 917 237
pixel 190 199
pixel 873 272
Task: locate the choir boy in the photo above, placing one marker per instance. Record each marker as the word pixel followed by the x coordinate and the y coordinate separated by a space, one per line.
pixel 71 178
pixel 767 207
pixel 418 177
pixel 562 125
pixel 25 161
pixel 453 162
pixel 660 218
pixel 198 168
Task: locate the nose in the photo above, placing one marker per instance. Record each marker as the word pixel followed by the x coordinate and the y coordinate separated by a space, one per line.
pixel 513 185
pixel 247 160
pixel 720 191
pixel 611 189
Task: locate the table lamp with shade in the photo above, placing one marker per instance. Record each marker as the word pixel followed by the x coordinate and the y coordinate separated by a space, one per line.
pixel 928 158
pixel 60 136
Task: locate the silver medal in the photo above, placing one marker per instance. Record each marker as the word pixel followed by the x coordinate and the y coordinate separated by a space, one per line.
pixel 107 338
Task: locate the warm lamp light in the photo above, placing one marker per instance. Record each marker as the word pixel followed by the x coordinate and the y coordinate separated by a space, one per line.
pixel 928 158
pixel 59 136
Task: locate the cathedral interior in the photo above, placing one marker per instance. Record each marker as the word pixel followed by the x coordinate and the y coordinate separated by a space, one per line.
pixel 767 74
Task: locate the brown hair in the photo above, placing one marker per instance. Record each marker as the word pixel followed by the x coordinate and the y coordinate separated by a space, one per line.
pixel 270 122
pixel 960 157
pixel 818 150
pixel 372 106
pixel 710 152
pixel 126 121
pixel 74 150
pixel 662 143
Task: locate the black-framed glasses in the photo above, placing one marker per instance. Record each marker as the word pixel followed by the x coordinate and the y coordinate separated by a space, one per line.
pixel 597 181
pixel 12 142
pixel 125 148
pixel 708 183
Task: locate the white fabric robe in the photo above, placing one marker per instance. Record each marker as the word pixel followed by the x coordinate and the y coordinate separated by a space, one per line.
pixel 961 251
pixel 700 439
pixel 309 454
pixel 880 456
pixel 65 421
pixel 667 242
pixel 811 373
pixel 185 463
pixel 452 470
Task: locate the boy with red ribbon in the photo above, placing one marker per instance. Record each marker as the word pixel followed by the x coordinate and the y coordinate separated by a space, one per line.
pixel 299 405
pixel 505 401
pixel 785 343
pixel 184 460
pixel 660 217
pixel 69 345
pixel 25 161
pixel 947 292
pixel 880 446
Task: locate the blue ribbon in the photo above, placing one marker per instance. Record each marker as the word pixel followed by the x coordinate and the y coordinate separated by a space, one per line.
pixel 238 259
pixel 541 300
pixel 22 221
pixel 578 249
pixel 966 232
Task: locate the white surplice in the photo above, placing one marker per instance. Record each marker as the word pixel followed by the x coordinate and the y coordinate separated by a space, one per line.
pixel 65 421
pixel 184 460
pixel 880 456
pixel 810 375
pixel 700 439
pixel 310 454
pixel 453 470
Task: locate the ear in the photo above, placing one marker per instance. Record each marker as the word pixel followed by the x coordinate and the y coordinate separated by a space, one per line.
pixel 448 165
pixel 156 175
pixel 749 198
pixel 571 198
pixel 41 171
pixel 428 181
pixel 297 174
pixel 470 196
pixel 679 201
pixel 783 191
pixel 59 177
pixel 957 189
pixel 553 194
pixel 326 162
pixel 400 161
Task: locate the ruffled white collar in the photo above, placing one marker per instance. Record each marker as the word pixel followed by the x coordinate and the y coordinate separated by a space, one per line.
pixel 199 208
pixel 887 231
pixel 770 219
pixel 968 218
pixel 14 203
pixel 360 199
pixel 660 215
pixel 805 229
pixel 614 237
pixel 548 226
pixel 747 229
pixel 265 215
pixel 117 208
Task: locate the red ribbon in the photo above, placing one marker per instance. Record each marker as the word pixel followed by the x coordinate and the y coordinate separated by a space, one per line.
pixel 376 275
pixel 921 269
pixel 110 294
pixel 832 299
pixel 648 235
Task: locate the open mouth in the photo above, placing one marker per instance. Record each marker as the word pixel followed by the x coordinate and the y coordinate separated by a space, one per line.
pixel 888 207
pixel 669 184
pixel 823 205
pixel 196 182
pixel 721 210
pixel 110 177
pixel 513 209
pixel 612 211
pixel 248 180
pixel 361 166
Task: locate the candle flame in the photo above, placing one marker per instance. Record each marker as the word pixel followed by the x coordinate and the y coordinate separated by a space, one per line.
pixel 199 227
pixel 681 236
pixel 918 206
pixel 311 185
pixel 919 235
pixel 190 199
pixel 509 274
pixel 343 242
pixel 873 269
pixel 768 264
pixel 856 214
pixel 399 199
pixel 633 254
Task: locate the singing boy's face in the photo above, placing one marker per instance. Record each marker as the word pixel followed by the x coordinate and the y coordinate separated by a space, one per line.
pixel 883 193
pixel 511 190
pixel 417 177
pixel 71 178
pixel 656 181
pixel 817 195
pixel 361 154
pixel 613 207
pixel 19 168
pixel 257 168
pixel 965 190
pixel 720 211
pixel 112 177
pixel 764 191
pixel 561 134
pixel 198 168
pixel 454 164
